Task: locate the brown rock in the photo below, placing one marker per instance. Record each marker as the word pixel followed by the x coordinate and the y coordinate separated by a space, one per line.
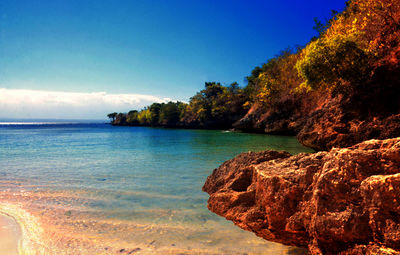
pixel 338 124
pixel 323 120
pixel 345 201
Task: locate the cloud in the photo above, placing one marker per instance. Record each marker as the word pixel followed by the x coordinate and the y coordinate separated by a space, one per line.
pixel 24 103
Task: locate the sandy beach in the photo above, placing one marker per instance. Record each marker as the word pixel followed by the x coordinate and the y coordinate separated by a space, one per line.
pixel 10 235
pixel 20 232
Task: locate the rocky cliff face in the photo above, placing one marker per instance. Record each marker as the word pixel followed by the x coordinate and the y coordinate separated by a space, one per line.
pixel 345 201
pixel 338 122
pixel 282 119
pixel 344 122
pixel 322 120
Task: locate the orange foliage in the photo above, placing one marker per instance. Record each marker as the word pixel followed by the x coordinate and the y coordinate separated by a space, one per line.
pixel 278 78
pixel 376 24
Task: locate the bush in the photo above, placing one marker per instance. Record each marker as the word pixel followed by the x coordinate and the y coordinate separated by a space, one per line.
pixel 333 63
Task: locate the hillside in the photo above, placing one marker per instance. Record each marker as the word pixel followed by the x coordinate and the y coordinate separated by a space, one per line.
pixel 340 89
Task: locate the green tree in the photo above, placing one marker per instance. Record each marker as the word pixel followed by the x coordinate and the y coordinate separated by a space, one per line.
pixel 169 114
pixel 333 63
pixel 154 114
pixel 132 117
pixel 112 116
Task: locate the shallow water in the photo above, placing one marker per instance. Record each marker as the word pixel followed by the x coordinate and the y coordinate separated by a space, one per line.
pixel 135 190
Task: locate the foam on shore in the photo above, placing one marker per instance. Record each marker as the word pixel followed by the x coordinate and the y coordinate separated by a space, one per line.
pixel 21 233
pixel 10 234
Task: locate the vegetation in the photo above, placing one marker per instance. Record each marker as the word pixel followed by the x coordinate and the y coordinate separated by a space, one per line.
pixel 333 62
pixel 350 49
pixel 358 40
pixel 112 116
pixel 275 79
pixel 215 106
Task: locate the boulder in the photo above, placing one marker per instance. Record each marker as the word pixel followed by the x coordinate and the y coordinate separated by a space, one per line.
pixel 342 201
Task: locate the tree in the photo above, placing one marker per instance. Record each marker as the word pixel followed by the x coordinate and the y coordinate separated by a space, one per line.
pixel 132 117
pixel 154 117
pixel 144 116
pixel 169 114
pixel 112 116
pixel 319 27
pixel 234 87
pixel 216 105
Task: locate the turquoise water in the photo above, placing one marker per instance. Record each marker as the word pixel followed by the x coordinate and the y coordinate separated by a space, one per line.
pixel 129 178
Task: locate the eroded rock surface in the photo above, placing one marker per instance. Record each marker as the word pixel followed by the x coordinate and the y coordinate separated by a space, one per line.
pixel 345 201
pixel 337 124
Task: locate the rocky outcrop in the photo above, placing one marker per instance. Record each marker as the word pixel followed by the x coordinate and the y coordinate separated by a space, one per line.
pixel 345 201
pixel 343 123
pixel 323 120
pixel 286 117
pixel 337 122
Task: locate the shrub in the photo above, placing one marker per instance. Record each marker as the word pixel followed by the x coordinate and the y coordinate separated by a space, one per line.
pixel 333 63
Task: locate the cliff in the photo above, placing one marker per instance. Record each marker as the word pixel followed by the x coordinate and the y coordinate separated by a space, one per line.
pixel 345 201
pixel 341 89
pixel 322 121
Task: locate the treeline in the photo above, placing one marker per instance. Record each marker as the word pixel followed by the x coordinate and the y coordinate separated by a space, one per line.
pixel 356 50
pixel 349 50
pixel 216 106
pixel 157 114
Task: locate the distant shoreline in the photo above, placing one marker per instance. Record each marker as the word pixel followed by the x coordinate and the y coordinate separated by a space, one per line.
pixel 40 120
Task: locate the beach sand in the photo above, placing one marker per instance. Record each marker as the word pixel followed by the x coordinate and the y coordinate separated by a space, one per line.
pixel 10 234
pixel 23 232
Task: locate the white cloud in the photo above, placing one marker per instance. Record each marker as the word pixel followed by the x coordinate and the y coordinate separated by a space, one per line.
pixel 23 103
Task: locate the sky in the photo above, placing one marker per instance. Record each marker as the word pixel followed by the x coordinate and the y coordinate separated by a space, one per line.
pixel 83 59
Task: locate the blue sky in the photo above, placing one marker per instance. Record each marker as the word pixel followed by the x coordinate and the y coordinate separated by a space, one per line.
pixel 159 48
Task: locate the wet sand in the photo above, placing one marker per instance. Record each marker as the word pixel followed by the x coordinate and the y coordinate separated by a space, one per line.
pixel 10 235
pixel 20 232
pixel 29 229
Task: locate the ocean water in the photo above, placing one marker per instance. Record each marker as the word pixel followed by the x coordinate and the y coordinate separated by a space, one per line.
pixel 100 189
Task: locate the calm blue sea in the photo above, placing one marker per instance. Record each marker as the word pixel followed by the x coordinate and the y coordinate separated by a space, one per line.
pixel 137 186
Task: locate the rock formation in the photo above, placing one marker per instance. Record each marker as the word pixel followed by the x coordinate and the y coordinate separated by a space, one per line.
pixel 323 120
pixel 341 123
pixel 345 201
pixel 335 122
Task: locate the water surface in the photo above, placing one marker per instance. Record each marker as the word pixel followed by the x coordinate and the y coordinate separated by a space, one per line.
pixel 103 189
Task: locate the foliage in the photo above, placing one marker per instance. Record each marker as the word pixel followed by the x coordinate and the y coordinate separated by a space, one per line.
pixel 333 62
pixel 132 117
pixel 349 49
pixel 170 113
pixel 112 115
pixel 216 105
pixel 363 37
pixel 274 79
pixel 144 116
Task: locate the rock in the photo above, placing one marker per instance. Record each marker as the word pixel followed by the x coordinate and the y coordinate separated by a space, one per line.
pixel 337 124
pixel 282 119
pixel 134 250
pixel 323 120
pixel 345 201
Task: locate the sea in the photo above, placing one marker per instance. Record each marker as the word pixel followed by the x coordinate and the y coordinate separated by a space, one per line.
pixel 101 189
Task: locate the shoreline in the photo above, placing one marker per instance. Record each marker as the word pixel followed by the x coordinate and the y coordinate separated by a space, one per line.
pixel 20 232
pixel 24 235
pixel 10 235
